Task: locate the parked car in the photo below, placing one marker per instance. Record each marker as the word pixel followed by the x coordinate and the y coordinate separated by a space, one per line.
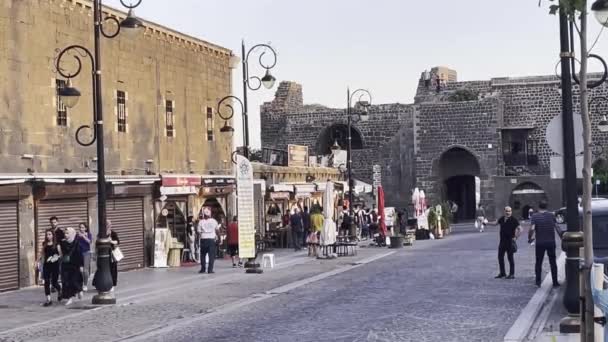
pixel 600 231
pixel 560 214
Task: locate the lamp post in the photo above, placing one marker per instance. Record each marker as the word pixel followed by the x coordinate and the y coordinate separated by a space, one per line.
pixel 70 96
pixel 363 116
pixel 267 81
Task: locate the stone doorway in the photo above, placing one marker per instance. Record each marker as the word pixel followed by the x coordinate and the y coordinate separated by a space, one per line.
pixel 459 172
pixel 524 197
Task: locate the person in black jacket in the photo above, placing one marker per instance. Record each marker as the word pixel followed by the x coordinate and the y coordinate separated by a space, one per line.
pixel 115 243
pixel 50 271
pixel 509 232
pixel 72 265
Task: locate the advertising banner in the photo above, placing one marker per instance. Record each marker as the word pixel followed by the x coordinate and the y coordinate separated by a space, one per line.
pixel 246 207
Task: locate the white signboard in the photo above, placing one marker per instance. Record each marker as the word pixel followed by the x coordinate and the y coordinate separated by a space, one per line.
pixel 556 166
pixel 377 178
pixel 177 190
pixel 246 207
pixel 160 251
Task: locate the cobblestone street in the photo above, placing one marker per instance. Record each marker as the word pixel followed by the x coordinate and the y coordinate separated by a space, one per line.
pixel 441 290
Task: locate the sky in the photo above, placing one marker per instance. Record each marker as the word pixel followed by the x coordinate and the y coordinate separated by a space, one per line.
pixel 380 45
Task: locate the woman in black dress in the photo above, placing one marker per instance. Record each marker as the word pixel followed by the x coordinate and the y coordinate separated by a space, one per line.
pixel 113 263
pixel 72 265
pixel 50 270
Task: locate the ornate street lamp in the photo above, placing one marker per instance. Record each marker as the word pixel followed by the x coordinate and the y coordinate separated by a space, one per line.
pixel 267 81
pixel 69 96
pixel 600 9
pixel 364 100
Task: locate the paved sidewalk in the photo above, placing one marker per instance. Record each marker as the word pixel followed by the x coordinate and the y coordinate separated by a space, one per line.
pixel 24 307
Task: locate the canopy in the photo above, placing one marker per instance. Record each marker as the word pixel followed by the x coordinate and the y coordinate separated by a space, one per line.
pixel 381 210
pixel 328 235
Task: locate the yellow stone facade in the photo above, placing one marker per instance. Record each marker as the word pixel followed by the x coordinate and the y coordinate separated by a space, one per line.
pixel 157 66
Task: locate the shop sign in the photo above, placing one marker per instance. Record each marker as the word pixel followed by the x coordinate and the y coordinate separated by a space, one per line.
pixel 297 155
pixel 246 207
pixel 160 251
pixel 377 178
pixel 303 195
pixel 215 190
pixel 178 181
pixel 279 195
pixel 177 190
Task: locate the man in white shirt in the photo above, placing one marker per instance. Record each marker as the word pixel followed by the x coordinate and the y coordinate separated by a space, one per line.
pixel 208 229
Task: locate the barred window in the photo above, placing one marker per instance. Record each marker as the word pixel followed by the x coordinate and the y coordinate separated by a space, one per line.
pixel 62 111
pixel 121 105
pixel 210 124
pixel 169 118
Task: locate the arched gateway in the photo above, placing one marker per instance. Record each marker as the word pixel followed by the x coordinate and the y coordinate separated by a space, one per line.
pixel 459 175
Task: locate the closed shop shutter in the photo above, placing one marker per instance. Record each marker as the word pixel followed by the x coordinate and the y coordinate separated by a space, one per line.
pixel 70 212
pixel 127 216
pixel 9 246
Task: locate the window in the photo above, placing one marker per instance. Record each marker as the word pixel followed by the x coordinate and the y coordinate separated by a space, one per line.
pixel 210 124
pixel 62 111
pixel 169 118
pixel 121 106
pixel 517 149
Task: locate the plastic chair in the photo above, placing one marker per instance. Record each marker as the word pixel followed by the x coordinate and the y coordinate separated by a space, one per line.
pixel 268 259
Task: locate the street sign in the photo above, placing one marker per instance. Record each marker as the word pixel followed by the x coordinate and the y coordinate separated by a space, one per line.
pixel 555 134
pixel 556 167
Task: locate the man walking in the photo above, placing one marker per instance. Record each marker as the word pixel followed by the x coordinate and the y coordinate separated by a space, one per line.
pixel 544 226
pixel 297 229
pixel 306 223
pixel 509 231
pixel 58 231
pixel 232 238
pixel 208 228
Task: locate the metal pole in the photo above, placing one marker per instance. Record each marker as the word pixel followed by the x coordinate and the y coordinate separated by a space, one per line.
pixel 572 239
pixel 103 278
pixel 349 157
pixel 245 108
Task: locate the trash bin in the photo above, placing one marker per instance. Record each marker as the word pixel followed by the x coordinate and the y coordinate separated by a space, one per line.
pixel 396 241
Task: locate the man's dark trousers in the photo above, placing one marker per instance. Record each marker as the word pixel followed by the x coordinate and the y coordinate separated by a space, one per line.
pixel 506 246
pixel 549 247
pixel 207 247
pixel 296 238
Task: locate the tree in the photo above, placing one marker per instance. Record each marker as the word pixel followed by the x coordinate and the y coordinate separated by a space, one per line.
pixel 576 11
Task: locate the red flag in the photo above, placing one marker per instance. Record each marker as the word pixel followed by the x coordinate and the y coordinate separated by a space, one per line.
pixel 381 210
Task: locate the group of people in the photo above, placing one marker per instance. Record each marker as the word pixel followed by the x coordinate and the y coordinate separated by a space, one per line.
pixel 65 260
pixel 543 228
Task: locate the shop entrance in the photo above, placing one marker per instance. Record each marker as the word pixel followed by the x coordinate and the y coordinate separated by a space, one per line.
pixel 459 173
pixel 173 218
pixel 524 197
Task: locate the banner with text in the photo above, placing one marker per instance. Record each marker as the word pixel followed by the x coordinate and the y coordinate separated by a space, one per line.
pixel 246 207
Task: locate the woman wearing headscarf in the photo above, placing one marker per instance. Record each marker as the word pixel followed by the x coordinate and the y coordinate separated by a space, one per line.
pixel 50 271
pixel 72 266
pixel 115 243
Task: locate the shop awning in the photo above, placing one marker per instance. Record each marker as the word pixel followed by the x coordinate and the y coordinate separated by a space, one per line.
pixel 282 187
pixel 305 188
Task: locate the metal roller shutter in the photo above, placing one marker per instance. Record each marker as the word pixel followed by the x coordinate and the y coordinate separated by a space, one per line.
pixel 9 247
pixel 70 212
pixel 127 216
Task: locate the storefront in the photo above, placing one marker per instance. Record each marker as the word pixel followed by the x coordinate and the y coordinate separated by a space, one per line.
pixel 68 202
pixel 171 208
pixel 214 193
pixel 9 230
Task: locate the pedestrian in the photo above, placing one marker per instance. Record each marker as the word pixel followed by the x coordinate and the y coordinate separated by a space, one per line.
pixel 115 241
pixel 454 210
pixel 297 228
pixel 58 231
pixel 347 221
pixel 509 232
pixel 367 220
pixel 50 271
pixel 208 229
pixel 316 220
pixel 544 227
pixel 232 237
pixel 71 266
pixel 191 240
pixel 480 223
pixel 84 240
pixel 306 222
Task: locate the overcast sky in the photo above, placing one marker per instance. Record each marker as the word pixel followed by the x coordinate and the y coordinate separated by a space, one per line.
pixel 381 45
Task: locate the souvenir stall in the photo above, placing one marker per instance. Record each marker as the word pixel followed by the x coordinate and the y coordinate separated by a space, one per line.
pixel 278 205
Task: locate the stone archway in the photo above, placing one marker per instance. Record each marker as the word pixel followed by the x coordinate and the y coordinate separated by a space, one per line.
pixel 459 173
pixel 524 197
pixel 338 133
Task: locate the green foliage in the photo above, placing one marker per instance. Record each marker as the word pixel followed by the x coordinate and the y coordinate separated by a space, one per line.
pixel 432 218
pixel 571 7
pixel 463 95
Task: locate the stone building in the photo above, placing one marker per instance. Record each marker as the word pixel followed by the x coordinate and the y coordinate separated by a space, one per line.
pixel 480 142
pixel 163 145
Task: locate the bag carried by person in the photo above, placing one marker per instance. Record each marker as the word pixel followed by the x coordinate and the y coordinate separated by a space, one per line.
pixel 312 238
pixel 117 254
pixel 514 246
